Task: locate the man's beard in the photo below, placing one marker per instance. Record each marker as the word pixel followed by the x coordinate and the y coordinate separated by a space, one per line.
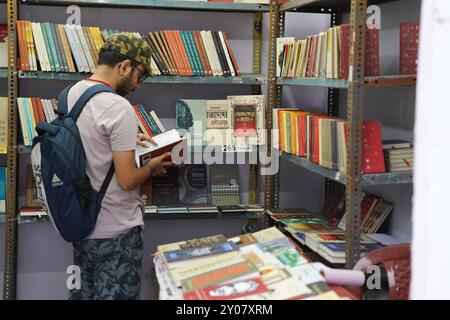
pixel 124 86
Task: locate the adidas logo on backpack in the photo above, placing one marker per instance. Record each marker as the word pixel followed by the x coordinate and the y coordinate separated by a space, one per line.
pixel 56 182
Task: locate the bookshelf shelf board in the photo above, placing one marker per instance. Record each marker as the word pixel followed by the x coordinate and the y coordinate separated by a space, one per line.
pixel 159 216
pixel 321 6
pixel 244 79
pixel 370 82
pixel 367 179
pixel 313 82
pixel 390 81
pixel 2 217
pixel 217 150
pixel 157 4
pixel 181 216
pixel 3 74
pixel 24 149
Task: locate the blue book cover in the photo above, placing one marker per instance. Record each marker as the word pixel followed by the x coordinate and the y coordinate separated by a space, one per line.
pixel 193 184
pixel 2 190
pixel 177 255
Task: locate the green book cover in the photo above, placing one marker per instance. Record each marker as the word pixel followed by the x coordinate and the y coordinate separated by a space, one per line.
pixel 59 48
pixel 195 52
pixel 52 47
pixel 191 120
pixel 189 53
pixel 47 47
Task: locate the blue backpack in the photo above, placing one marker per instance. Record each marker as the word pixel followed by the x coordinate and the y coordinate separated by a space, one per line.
pixel 59 167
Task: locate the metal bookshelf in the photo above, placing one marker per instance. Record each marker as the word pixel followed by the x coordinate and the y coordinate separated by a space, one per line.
pixel 369 82
pixel 388 178
pixel 13 76
pixel 354 86
pixel 244 79
pixel 157 4
pixel 321 6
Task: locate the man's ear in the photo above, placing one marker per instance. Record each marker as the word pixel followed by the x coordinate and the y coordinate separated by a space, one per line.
pixel 123 66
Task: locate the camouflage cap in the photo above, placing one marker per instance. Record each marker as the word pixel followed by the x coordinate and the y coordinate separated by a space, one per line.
pixel 132 46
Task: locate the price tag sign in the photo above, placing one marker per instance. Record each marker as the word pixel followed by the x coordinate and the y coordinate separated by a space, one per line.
pixel 236 148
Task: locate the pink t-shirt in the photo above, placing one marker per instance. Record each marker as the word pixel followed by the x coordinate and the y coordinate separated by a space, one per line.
pixel 108 123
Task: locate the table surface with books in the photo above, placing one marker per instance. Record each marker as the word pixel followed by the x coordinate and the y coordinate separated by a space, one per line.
pixel 264 265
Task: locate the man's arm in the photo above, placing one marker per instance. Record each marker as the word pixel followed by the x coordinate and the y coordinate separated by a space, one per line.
pixel 128 176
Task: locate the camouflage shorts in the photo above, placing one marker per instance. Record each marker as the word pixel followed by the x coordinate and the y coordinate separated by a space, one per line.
pixel 110 268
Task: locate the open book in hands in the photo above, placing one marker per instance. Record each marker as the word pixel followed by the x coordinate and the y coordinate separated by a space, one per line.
pixel 168 141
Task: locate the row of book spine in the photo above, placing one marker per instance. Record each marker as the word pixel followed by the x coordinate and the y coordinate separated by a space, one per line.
pixel 31 112
pixel 323 140
pixel 325 55
pixel 58 48
pixel 193 53
pixel 73 48
pixel 148 122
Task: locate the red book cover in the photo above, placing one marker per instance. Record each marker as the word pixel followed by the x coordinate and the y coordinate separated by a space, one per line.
pixel 316 146
pixel 367 203
pixel 301 131
pixel 372 150
pixel 409 47
pixel 37 118
pixel 39 108
pixel 229 290
pixel 345 50
pixel 143 122
pixel 244 120
pixel 372 52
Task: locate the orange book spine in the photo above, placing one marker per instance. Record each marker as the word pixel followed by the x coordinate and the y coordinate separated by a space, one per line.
pixel 183 53
pixel 173 49
pixel 202 52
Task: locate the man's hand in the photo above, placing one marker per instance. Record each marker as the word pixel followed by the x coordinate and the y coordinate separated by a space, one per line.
pixel 141 138
pixel 158 165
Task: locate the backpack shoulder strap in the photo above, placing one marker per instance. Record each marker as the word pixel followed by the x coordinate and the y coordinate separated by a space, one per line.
pixel 76 110
pixel 85 97
pixel 62 101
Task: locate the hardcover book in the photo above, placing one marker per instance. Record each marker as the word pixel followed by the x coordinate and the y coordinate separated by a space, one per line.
pixel 165 188
pixel 193 184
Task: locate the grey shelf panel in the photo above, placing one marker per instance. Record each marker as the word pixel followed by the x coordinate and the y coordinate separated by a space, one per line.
pixel 370 82
pixel 244 79
pixel 27 149
pixel 3 74
pixel 312 82
pixel 157 4
pixel 161 216
pixel 367 179
pixel 321 5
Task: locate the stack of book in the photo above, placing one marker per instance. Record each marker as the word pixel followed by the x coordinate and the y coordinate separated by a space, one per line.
pixel 323 139
pixel 241 208
pixel 149 123
pixel 31 112
pixel 73 48
pixel 261 265
pixel 325 55
pixel 323 238
pixel 58 48
pixel 192 53
pixel 398 155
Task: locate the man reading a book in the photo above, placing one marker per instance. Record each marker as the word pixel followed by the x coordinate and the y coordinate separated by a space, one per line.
pixel 110 258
